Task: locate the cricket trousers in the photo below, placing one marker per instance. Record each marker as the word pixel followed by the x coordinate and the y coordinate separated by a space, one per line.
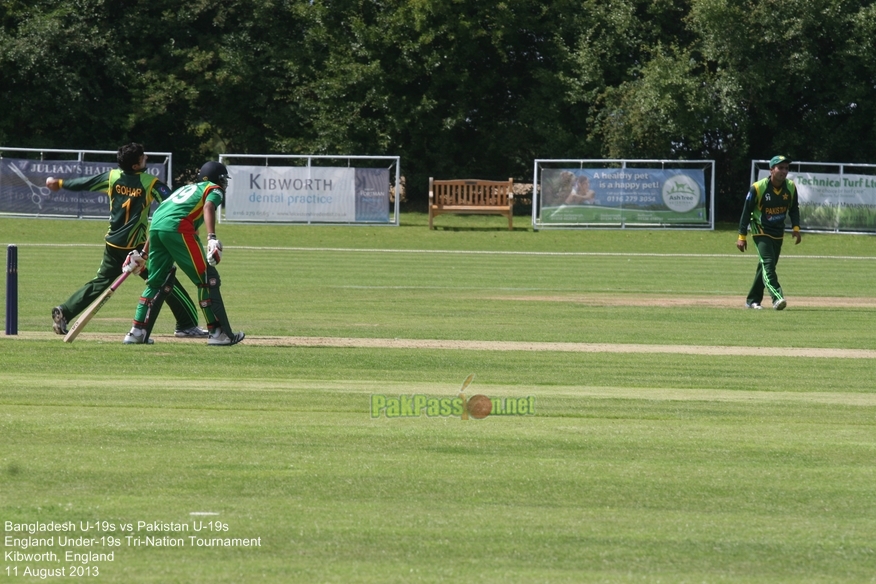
pixel 183 249
pixel 765 277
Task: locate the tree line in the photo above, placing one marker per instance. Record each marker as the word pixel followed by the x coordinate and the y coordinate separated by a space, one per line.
pixel 457 88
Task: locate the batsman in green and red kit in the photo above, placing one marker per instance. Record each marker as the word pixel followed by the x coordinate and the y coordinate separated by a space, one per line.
pixel 769 203
pixel 131 192
pixel 173 238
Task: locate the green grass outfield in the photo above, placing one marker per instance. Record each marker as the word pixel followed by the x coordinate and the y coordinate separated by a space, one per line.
pixel 664 447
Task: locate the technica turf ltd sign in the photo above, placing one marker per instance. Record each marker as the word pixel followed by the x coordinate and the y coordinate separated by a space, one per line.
pixel 311 194
pixel 834 201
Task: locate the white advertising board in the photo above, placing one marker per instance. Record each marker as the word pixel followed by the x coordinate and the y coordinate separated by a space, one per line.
pixel 311 194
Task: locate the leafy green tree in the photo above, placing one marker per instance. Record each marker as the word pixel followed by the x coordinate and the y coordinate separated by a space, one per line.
pixel 456 88
pixel 62 81
pixel 798 77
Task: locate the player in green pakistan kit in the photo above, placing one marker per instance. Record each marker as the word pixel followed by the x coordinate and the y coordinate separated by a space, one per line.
pixel 769 202
pixel 173 238
pixel 130 192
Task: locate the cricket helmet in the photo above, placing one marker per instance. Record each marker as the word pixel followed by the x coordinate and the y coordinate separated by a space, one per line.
pixel 215 172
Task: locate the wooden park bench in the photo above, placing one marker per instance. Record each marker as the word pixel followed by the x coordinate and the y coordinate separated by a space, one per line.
pixel 467 196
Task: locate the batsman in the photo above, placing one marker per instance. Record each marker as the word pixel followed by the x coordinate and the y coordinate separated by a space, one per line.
pixel 173 238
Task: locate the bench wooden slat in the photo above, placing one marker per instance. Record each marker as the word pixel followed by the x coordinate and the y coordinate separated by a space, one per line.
pixel 471 196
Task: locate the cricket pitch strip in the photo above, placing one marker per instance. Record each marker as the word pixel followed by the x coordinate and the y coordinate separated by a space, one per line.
pixel 523 346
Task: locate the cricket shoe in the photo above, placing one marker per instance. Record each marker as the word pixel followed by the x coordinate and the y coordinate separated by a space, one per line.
pixel 780 304
pixel 218 337
pixel 59 323
pixel 136 336
pixel 754 305
pixel 191 333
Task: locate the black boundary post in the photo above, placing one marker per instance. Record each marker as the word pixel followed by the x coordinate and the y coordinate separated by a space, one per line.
pixel 12 290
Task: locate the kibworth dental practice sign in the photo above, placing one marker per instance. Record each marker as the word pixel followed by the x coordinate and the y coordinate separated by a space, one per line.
pixel 311 194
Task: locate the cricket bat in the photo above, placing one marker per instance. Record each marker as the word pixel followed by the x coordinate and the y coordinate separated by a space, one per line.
pixel 89 312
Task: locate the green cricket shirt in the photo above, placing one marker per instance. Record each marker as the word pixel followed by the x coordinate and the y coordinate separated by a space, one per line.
pixel 183 211
pixel 130 196
pixel 766 209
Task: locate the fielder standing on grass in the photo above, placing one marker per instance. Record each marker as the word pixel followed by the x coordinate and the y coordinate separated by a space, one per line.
pixel 173 238
pixel 130 191
pixel 769 202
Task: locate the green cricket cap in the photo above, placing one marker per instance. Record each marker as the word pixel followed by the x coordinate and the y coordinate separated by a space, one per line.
pixel 778 160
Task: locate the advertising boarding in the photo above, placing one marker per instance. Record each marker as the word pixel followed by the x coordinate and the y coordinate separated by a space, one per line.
pixel 571 196
pixel 832 201
pixel 311 194
pixel 23 188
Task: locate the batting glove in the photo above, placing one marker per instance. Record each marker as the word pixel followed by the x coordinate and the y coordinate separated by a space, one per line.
pixel 214 251
pixel 134 263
